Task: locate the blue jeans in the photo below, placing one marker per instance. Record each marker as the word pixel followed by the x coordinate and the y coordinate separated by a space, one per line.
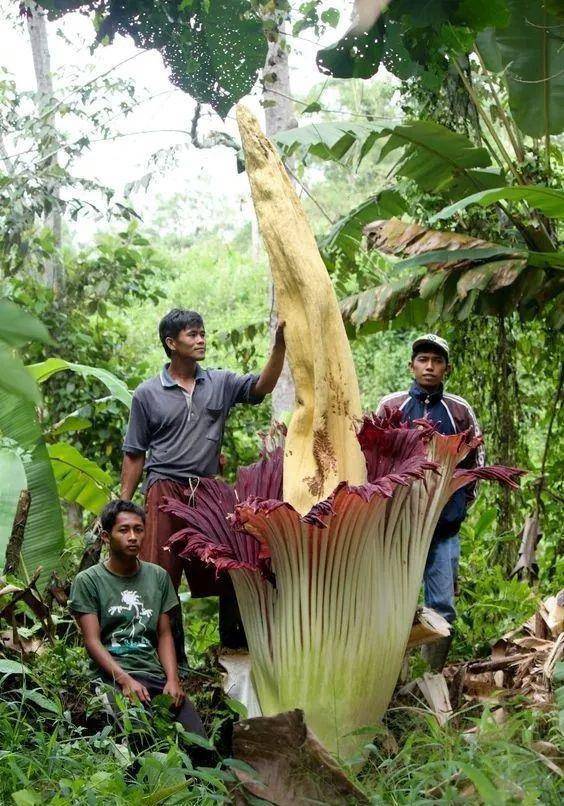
pixel 441 575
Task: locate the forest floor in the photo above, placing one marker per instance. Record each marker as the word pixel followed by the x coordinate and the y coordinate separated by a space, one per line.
pixel 501 742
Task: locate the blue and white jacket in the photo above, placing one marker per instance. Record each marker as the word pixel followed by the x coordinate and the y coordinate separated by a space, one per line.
pixel 452 415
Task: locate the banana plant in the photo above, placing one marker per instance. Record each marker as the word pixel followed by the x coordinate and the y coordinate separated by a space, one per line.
pixel 49 472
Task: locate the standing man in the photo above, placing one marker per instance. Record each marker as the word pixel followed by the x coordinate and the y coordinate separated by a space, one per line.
pixel 175 431
pixel 451 414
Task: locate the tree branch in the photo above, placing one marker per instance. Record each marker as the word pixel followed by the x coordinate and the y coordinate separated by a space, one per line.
pixel 210 140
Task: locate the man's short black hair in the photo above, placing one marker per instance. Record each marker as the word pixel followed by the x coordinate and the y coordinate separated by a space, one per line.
pixel 110 512
pixel 428 347
pixel 176 320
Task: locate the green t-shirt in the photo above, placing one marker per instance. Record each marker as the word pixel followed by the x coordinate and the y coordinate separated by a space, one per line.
pixel 128 609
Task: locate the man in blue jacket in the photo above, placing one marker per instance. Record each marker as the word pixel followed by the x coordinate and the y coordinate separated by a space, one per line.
pixel 451 414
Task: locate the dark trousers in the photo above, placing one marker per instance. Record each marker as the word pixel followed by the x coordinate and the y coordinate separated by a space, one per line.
pixel 202 579
pixel 186 714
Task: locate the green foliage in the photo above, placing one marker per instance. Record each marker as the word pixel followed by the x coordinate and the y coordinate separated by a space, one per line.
pixel 493 764
pixel 200 41
pixel 433 157
pixel 59 746
pixel 550 201
pixel 43 541
pixel 411 39
pixel 79 480
pixel 104 281
pixel 12 482
pixel 344 239
pixel 46 369
pixel 528 50
pixel 489 604
pixel 466 276
pixel 16 328
pixel 37 182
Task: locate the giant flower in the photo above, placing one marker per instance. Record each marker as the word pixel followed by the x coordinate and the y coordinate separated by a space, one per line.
pixel 327 598
pixel 325 543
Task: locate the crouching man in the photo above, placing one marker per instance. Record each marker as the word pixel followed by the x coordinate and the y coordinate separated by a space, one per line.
pixel 122 606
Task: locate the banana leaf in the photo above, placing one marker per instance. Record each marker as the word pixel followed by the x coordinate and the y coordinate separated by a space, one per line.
pixel 12 482
pixel 44 533
pixel 46 369
pixel 437 159
pixel 550 201
pixel 448 275
pixel 79 479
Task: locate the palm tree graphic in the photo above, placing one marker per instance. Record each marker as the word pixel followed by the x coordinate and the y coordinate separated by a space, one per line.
pixel 132 602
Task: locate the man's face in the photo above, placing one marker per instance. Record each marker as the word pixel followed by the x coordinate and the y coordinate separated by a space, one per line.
pixel 126 536
pixel 189 343
pixel 429 369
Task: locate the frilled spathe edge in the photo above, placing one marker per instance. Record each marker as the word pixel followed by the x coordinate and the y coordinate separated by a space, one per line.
pixel 220 526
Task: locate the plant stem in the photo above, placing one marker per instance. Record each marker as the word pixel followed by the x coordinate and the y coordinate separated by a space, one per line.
pixel 555 406
pixel 512 132
pixel 489 125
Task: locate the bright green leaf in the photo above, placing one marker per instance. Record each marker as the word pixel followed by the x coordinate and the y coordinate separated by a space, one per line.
pixel 17 327
pixel 549 201
pixel 71 423
pixel 44 533
pixel 487 790
pixel 12 482
pixel 46 369
pixel 79 479
pixel 34 695
pixel 14 377
pixel 12 667
pixel 26 797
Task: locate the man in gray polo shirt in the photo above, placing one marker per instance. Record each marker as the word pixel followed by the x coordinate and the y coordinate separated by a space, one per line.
pixel 175 430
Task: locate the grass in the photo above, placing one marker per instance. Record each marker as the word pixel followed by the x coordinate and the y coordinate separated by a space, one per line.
pixel 58 746
pixel 471 760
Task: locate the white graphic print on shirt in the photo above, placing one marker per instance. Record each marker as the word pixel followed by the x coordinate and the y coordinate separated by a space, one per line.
pixel 128 635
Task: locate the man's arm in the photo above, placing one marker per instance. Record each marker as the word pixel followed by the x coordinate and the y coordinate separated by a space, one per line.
pixel 269 376
pixel 167 657
pixel 136 443
pixel 90 629
pixel 131 473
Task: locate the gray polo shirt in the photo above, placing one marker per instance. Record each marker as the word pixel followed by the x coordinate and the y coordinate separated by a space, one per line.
pixel 181 433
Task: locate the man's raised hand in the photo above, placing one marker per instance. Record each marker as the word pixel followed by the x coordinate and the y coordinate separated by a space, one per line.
pixel 279 339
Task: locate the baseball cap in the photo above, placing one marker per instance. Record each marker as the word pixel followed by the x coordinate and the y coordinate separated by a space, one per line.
pixel 431 340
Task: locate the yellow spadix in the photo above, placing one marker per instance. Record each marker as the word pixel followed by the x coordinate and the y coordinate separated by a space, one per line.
pixel 321 446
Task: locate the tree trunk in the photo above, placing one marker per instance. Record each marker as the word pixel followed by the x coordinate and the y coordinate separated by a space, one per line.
pixel 505 436
pixel 279 114
pixel 75 518
pixel 37 29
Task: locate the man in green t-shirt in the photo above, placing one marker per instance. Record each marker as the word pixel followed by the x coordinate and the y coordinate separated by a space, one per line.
pixel 122 607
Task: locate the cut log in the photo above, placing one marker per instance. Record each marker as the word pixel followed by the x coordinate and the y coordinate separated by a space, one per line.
pixel 291 765
pixel 428 627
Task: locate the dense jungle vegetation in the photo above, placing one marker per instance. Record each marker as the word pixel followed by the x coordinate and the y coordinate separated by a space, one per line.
pixel 440 105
